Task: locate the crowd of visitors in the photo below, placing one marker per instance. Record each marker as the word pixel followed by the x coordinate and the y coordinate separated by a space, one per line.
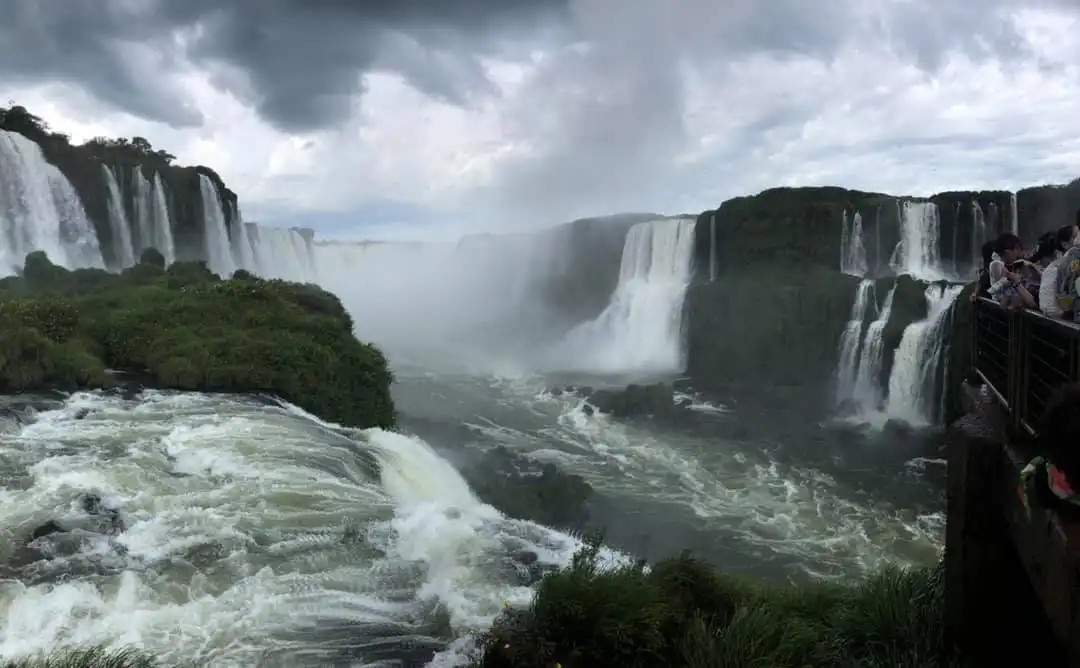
pixel 1046 279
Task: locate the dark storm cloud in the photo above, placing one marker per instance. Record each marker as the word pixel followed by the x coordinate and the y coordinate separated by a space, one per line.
pixel 302 58
pixel 613 120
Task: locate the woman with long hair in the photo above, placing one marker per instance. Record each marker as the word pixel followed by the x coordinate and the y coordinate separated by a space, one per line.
pixel 1006 284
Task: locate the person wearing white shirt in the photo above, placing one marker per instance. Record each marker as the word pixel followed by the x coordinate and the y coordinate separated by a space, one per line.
pixel 1068 237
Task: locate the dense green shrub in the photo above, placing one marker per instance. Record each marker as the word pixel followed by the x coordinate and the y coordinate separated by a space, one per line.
pixel 188 329
pixel 683 613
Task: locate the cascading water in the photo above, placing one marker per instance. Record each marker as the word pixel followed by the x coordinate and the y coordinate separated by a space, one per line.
pixel 242 251
pixel 143 203
pixel 868 392
pixel 218 247
pixel 122 245
pixel 918 253
pixel 277 252
pixel 40 210
pixel 853 259
pixel 641 328
pixel 978 234
pixel 914 379
pixel 712 248
pixel 848 364
pixel 1014 215
pixel 161 236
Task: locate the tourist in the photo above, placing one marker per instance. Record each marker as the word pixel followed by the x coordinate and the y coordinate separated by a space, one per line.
pixel 1067 237
pixel 1006 285
pixel 1047 479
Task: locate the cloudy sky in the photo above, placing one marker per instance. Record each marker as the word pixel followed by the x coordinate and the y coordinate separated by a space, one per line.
pixel 409 118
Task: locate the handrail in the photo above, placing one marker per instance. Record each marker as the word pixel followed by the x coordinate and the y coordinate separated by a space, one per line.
pixel 1023 356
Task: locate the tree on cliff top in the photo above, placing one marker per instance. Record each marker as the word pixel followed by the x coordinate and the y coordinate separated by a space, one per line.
pixel 184 328
pixel 136 150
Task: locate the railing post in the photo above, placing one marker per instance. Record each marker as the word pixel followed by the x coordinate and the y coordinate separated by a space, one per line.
pixel 978 558
pixel 1014 392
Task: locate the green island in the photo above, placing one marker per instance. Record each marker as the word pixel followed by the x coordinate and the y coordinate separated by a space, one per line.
pixel 185 328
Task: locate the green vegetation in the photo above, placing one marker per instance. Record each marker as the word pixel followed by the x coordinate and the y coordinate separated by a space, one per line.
pixel 683 613
pixel 134 150
pixel 185 328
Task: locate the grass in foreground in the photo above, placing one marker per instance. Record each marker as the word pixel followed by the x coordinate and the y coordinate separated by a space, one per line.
pixel 684 613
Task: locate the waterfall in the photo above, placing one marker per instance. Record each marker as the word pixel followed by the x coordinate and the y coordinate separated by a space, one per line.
pixel 914 380
pixel 123 247
pixel 978 234
pixel 877 239
pixel 712 248
pixel 161 235
pixel 153 225
pixel 243 252
pixel 1014 215
pixel 956 240
pixel 918 253
pixel 852 247
pixel 218 248
pixel 848 358
pixel 40 210
pixel 281 253
pixel 868 392
pixel 641 328
pixel 144 223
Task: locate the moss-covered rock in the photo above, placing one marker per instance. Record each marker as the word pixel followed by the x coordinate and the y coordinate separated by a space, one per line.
pixel 187 329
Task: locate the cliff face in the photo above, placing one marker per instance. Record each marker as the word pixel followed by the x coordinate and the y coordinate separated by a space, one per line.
pixel 81 164
pixel 775 313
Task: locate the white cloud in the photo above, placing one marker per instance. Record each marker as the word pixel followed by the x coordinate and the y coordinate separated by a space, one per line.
pixel 632 120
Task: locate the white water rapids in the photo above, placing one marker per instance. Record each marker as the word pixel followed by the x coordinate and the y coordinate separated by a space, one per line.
pixel 255 534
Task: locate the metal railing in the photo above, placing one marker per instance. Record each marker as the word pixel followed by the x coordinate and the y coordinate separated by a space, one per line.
pixel 1023 356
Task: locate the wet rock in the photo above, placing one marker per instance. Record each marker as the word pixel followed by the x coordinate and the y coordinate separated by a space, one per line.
pixel 655 400
pixel 47 529
pixel 93 505
pixel 528 569
pixel 571 390
pixel 82 413
pixel 897 428
pixel 204 555
pixel 526 489
pixel 525 557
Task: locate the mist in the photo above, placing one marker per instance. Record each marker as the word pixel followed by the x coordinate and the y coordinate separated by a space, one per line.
pixel 595 297
pixel 473 305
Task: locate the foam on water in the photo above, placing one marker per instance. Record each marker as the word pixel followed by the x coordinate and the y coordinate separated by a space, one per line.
pixel 736 489
pixel 237 546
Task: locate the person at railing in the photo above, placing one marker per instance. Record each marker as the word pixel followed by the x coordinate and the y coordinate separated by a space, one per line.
pixel 1067 237
pixel 1048 479
pixel 1006 284
pixel 1065 274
